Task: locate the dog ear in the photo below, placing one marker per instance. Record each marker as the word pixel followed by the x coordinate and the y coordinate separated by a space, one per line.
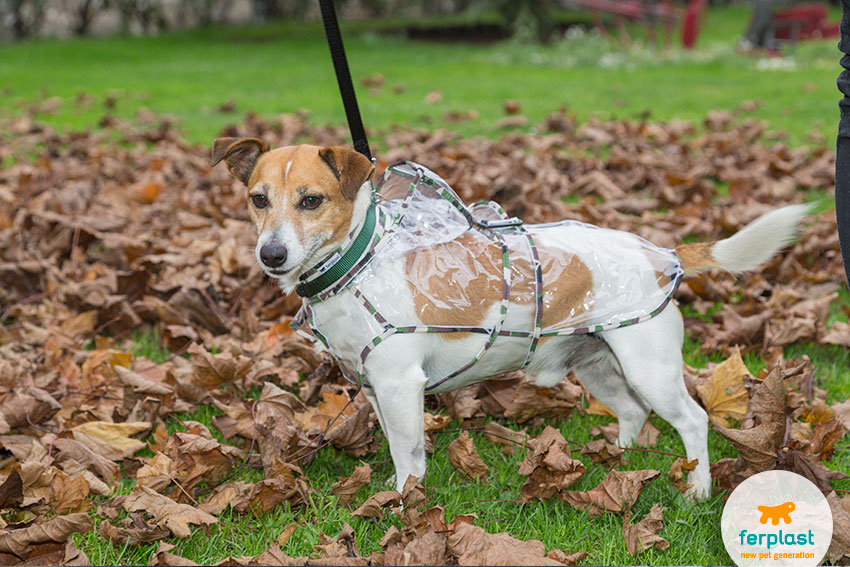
pixel 240 155
pixel 350 167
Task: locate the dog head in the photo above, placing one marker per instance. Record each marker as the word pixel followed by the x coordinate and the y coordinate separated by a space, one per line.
pixel 303 200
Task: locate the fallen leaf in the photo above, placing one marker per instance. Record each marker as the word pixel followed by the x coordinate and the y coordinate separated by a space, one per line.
pixel 57 529
pixel 677 473
pixel 839 547
pixel 167 513
pixel 347 487
pixel 549 466
pixel 757 446
pixel 724 395
pixel 473 546
pixel 644 534
pixel 112 440
pixel 464 457
pixel 617 492
pixel 508 438
pixel 372 507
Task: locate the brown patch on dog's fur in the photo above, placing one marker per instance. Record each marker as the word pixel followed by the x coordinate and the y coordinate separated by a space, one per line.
pixel 567 285
pixel 697 257
pixel 457 283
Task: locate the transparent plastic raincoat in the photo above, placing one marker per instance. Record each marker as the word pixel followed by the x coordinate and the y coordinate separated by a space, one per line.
pixel 525 282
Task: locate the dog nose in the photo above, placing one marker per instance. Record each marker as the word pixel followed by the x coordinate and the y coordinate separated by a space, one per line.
pixel 273 254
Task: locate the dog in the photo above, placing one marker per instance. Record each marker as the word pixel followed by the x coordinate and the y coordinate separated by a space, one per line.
pixel 307 202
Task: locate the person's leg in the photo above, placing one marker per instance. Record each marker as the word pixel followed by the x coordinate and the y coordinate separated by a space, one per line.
pixel 842 159
pixel 760 31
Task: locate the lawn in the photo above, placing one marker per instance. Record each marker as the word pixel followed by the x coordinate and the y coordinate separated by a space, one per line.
pixel 285 68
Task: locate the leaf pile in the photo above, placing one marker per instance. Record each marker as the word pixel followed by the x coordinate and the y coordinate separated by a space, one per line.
pixel 108 233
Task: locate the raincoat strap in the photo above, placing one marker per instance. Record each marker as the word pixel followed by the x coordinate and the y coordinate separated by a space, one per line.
pixel 538 297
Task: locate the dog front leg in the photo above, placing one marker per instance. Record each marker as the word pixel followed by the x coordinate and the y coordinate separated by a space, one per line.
pixel 399 398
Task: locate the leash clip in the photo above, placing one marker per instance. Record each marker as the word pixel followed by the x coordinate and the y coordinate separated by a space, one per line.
pixel 513 221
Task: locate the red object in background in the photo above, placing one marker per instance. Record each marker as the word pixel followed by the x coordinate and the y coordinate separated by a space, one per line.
pixel 804 21
pixel 690 25
pixel 651 14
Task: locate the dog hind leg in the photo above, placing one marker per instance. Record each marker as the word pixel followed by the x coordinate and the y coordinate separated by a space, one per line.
pixel 650 355
pixel 596 366
pixel 607 384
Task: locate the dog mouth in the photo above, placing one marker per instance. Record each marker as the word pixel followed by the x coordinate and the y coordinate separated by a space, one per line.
pixel 276 272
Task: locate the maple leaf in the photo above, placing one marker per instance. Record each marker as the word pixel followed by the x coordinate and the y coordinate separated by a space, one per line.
pixel 464 457
pixel 508 438
pixel 757 446
pixel 644 534
pixel 166 512
pixel 347 487
pixel 549 466
pixel 839 547
pixel 677 473
pixel 618 491
pixel 724 395
pixel 473 546
pixel 57 529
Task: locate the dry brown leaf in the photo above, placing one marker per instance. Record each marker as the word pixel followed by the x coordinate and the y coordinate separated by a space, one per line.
pixel 373 506
pixel 277 434
pixel 163 556
pixel 508 438
pixel 212 370
pixel 65 554
pixel 57 530
pixel 73 452
pixel 677 473
pixel 347 487
pixel 112 440
pixel 617 492
pixel 355 434
pixel 436 422
pixel 757 446
pixel 12 490
pixel 474 546
pixel 157 474
pixel 839 547
pixel 167 513
pixel 464 457
pixel 549 466
pixel 644 534
pixel 136 533
pixel 233 494
pixel 602 452
pixel 69 495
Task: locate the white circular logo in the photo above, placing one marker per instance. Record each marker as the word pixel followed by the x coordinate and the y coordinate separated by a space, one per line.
pixel 776 518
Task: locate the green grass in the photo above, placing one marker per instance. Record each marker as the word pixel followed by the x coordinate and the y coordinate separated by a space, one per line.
pixel 692 529
pixel 285 67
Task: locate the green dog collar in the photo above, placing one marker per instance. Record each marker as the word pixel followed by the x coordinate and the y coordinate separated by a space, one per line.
pixel 336 271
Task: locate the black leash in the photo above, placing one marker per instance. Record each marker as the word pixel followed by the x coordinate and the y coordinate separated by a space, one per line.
pixel 343 77
pixel 842 154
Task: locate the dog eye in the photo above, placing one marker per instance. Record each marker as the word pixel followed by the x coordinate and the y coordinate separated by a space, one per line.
pixel 311 202
pixel 260 201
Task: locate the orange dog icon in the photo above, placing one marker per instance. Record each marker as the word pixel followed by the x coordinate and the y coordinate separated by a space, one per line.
pixel 776 513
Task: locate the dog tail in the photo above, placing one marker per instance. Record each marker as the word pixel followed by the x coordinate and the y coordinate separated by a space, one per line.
pixel 754 244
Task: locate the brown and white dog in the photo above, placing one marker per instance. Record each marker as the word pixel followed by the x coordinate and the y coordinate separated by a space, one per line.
pixel 305 200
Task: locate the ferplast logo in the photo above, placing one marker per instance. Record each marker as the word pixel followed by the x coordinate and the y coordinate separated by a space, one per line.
pixel 776 518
